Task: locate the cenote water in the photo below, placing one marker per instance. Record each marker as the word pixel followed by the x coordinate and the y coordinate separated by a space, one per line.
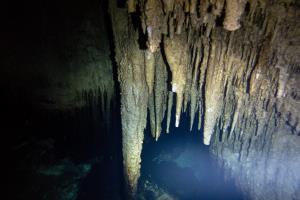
pixel 179 166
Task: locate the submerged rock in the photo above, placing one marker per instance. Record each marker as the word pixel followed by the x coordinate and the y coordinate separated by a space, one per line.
pixel 58 181
pixel 152 191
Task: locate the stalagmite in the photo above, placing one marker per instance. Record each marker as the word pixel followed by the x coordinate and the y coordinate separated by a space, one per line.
pixel 233 12
pixel 176 51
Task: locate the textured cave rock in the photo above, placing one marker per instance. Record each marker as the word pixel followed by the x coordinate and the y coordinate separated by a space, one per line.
pixel 134 92
pixel 234 10
pixel 236 64
pixel 56 62
pixel 177 56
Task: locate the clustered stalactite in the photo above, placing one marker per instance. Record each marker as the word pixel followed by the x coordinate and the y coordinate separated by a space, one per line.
pixel 176 51
pixel 100 101
pixel 219 70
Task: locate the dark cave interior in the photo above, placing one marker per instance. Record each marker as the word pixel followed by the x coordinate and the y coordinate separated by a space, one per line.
pixel 151 99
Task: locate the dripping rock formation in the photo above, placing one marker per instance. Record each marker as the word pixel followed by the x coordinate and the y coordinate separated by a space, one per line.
pixel 232 63
pixel 84 80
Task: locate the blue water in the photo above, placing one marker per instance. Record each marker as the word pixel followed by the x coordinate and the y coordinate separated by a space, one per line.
pixel 181 165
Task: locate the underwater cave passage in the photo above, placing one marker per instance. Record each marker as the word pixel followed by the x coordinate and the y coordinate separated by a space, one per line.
pixel 92 90
pixel 179 166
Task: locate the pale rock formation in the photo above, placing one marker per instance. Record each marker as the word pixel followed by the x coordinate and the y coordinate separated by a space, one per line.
pixel 170 105
pixel 150 70
pixel 176 51
pixel 134 95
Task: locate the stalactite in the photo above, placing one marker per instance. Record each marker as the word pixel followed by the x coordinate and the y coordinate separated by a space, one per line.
pixel 234 11
pixel 204 4
pixel 151 107
pixel 179 100
pixel 168 5
pixel 150 70
pixel 194 89
pixel 203 66
pixel 236 113
pixel 186 6
pixel 193 6
pixel 154 21
pixel 134 94
pixel 171 27
pixel 131 5
pixel 180 17
pixel 176 51
pixel 102 102
pixel 200 106
pixel 160 93
pixel 283 77
pixel 223 77
pixel 187 89
pixel 193 106
pixel 213 92
pixel 218 7
pixel 170 105
pixel 165 26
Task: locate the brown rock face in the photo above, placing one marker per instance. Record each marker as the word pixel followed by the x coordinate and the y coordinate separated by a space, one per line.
pixel 242 78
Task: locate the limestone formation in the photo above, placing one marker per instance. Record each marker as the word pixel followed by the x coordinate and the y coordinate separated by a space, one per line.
pixel 150 70
pixel 234 10
pixel 170 105
pixel 240 75
pixel 177 56
pixel 134 95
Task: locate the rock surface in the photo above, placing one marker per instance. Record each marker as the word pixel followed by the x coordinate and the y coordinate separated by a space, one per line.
pixel 242 80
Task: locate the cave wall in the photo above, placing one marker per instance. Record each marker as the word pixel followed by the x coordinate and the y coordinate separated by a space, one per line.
pixel 57 97
pixel 54 54
pixel 256 135
pixel 235 63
